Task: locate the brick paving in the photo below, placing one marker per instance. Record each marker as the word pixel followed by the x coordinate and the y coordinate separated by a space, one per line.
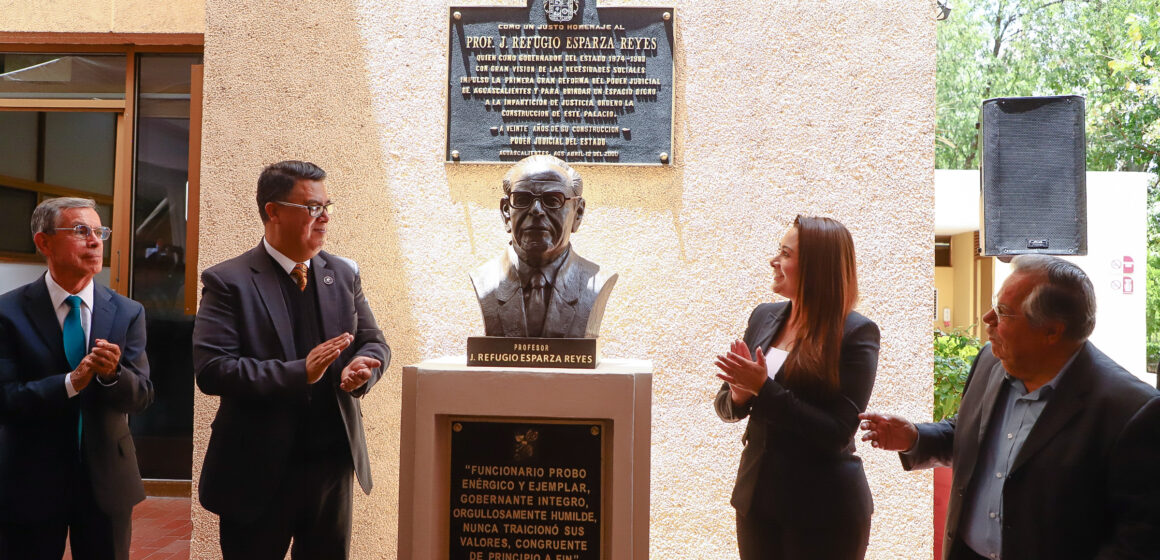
pixel 161 530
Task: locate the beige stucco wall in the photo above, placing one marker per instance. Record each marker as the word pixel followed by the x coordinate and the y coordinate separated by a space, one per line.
pixel 779 108
pixel 103 16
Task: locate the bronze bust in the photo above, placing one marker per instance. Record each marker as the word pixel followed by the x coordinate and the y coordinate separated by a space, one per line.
pixel 539 287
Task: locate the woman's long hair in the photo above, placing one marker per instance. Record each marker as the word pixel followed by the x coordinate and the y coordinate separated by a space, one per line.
pixel 827 290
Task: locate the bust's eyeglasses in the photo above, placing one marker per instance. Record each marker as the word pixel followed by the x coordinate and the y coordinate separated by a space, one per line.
pixel 315 210
pixel 551 200
pixel 82 231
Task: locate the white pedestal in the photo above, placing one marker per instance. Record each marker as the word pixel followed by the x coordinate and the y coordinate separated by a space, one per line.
pixel 618 390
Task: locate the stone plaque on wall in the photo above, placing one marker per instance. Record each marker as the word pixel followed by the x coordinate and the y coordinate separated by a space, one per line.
pixel 527 488
pixel 560 77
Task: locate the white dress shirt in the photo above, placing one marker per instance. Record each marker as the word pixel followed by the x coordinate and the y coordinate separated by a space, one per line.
pixel 285 262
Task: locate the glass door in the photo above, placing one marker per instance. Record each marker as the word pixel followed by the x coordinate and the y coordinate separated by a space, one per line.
pixel 161 243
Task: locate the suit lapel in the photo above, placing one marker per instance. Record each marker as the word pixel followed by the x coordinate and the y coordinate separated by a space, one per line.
pixel 994 384
pixel 1062 405
pixel 763 337
pixel 967 452
pixel 266 283
pixel 103 314
pixel 562 306
pixel 328 300
pixel 38 309
pixel 510 296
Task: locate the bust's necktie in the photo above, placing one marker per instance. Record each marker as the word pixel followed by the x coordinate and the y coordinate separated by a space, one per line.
pixel 299 275
pixel 74 345
pixel 536 304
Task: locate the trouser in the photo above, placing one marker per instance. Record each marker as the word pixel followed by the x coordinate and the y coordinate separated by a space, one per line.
pixel 92 534
pixel 960 551
pixel 764 539
pixel 312 507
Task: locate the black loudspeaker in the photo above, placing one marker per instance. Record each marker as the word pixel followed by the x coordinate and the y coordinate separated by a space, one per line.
pixel 1033 176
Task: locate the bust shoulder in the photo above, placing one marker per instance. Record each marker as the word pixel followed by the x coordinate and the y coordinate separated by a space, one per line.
pixel 489 277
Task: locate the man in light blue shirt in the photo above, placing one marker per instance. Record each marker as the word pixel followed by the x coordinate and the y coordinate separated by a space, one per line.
pixel 1055 447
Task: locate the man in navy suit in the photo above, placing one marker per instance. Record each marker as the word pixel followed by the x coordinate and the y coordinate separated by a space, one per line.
pixel 285 336
pixel 1055 448
pixel 72 367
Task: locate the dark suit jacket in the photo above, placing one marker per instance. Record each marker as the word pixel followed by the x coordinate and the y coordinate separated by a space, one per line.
pixel 798 466
pixel 243 350
pixel 575 310
pixel 38 422
pixel 1084 484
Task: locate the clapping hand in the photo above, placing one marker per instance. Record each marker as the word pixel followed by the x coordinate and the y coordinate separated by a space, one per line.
pixel 744 374
pixel 357 372
pixel 104 359
pixel 321 356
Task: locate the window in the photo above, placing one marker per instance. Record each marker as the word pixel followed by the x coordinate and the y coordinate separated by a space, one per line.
pixel 942 250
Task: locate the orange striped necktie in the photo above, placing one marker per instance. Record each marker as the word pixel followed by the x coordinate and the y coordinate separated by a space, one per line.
pixel 299 276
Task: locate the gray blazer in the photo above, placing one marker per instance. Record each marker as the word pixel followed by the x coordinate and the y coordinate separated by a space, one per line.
pixel 1084 484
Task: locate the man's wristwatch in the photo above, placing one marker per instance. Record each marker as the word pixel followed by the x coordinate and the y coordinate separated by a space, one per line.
pixel 116 377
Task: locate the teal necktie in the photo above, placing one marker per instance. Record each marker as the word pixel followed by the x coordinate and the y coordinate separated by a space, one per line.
pixel 74 344
pixel 74 334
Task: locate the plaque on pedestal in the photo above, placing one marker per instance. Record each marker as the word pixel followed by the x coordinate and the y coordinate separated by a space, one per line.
pixel 527 486
pixel 540 456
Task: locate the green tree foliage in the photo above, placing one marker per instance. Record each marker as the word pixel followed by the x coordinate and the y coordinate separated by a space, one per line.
pixel 954 352
pixel 1105 50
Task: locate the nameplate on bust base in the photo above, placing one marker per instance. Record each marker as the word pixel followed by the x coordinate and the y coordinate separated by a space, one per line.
pixel 506 351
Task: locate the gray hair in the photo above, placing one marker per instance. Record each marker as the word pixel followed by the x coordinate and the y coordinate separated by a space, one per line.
pixel 573 175
pixel 46 214
pixel 1066 295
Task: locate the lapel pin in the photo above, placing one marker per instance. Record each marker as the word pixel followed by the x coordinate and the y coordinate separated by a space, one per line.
pixel 328 280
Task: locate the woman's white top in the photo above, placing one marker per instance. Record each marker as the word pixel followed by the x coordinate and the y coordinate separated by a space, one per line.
pixel 774 358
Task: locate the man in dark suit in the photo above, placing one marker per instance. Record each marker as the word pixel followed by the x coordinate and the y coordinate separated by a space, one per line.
pixel 539 287
pixel 72 367
pixel 1055 448
pixel 285 336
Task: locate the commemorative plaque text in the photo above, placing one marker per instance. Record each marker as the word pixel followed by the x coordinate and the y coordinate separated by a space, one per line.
pixel 526 489
pixel 562 78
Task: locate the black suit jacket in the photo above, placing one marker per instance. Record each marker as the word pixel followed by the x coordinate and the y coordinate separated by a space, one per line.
pixel 798 466
pixel 38 422
pixel 1084 484
pixel 243 350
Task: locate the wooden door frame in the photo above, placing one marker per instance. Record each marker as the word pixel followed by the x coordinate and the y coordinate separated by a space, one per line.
pixel 130 45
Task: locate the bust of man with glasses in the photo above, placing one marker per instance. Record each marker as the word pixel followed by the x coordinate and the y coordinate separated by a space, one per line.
pixel 539 287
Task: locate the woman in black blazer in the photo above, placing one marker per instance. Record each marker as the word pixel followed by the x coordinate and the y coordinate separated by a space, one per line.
pixel 802 374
